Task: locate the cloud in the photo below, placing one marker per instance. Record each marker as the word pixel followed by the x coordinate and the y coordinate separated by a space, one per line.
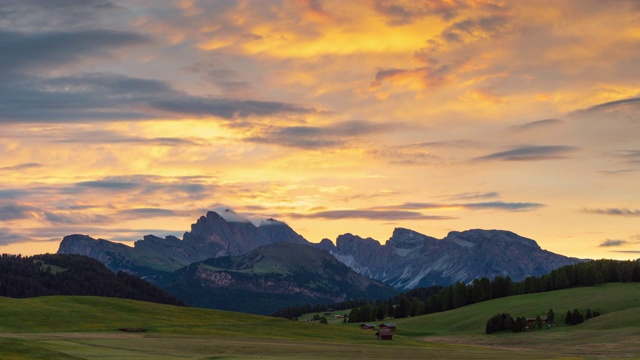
pixel 419 153
pixel 535 125
pixel 57 217
pixel 530 153
pixel 108 96
pixel 23 52
pixel 480 27
pixel 632 103
pixel 473 195
pixel 400 12
pixel 21 167
pixel 149 184
pixel 631 156
pixel 41 15
pixel 499 205
pixel 13 193
pixel 111 137
pixel 314 137
pixel 12 211
pixel 493 205
pixel 369 215
pixel 613 211
pixel 613 243
pixel 226 108
pixel 109 184
pixel 8 237
pixel 146 212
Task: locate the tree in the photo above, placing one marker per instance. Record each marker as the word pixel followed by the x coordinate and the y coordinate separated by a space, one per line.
pixel 577 318
pixel 380 312
pixel 568 319
pixel 550 316
pixel 538 322
pixel 323 320
pixel 402 311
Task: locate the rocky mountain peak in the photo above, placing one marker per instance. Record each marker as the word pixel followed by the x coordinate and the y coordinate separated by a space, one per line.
pixel 489 237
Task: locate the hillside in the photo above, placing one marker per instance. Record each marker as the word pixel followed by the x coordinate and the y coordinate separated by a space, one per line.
pixel 63 327
pixel 270 277
pixel 60 274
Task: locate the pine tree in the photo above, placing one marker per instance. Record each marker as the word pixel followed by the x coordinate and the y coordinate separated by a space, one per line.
pixel 569 318
pixel 550 317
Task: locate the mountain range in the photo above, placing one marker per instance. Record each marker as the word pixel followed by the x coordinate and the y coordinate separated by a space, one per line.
pixel 224 245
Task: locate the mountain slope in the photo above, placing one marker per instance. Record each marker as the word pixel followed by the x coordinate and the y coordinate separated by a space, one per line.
pixel 410 259
pixel 212 235
pixel 270 277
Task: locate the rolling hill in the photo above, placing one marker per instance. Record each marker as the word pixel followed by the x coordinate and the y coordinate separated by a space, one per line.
pixel 62 327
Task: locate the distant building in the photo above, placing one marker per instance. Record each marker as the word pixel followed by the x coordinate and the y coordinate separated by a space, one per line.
pixel 388 326
pixel 384 334
pixel 367 326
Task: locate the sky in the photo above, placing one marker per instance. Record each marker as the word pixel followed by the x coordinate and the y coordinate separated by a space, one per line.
pixel 120 119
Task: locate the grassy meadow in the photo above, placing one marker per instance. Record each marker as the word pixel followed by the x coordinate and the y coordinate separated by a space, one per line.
pixel 61 327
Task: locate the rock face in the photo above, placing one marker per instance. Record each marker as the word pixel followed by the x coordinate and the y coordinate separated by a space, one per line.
pixel 213 235
pixel 269 278
pixel 410 259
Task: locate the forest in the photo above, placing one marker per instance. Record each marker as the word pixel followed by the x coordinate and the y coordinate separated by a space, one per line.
pixel 61 274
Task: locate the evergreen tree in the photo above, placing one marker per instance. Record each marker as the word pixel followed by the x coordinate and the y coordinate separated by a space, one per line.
pixel 576 317
pixel 551 316
pixel 569 318
pixel 538 322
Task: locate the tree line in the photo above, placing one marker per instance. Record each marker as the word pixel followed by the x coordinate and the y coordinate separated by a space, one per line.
pixel 63 274
pixel 429 300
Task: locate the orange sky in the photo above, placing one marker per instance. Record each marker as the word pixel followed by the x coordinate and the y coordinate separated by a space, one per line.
pixel 121 119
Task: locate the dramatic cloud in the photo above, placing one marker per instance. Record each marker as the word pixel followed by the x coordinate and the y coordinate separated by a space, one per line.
pixel 531 153
pixel 613 243
pixel 613 211
pixel 116 114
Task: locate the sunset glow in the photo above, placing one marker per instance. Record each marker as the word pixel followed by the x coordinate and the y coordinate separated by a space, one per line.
pixel 126 118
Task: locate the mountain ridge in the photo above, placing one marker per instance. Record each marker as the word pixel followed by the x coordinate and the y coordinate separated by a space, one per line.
pixel 406 260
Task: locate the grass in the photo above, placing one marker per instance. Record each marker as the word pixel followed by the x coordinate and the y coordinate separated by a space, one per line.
pixel 60 327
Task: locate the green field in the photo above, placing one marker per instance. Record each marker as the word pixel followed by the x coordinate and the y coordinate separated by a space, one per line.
pixel 86 328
